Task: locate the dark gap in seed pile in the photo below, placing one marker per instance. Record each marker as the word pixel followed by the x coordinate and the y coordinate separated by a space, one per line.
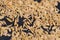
pixel 3 6
pixel 20 21
pixel 9 32
pixel 24 27
pixel 7 22
pixel 38 1
pixel 54 30
pixel 59 37
pixel 45 29
pixel 49 29
pixel 17 12
pixel 30 17
pixel 5 37
pixel 40 17
pixel 31 24
pixel 59 12
pixel 58 6
pixel 27 31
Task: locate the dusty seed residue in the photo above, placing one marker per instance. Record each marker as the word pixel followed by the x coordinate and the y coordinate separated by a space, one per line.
pixel 29 19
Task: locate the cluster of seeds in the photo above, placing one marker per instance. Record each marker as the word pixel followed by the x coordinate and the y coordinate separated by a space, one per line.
pixel 29 19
